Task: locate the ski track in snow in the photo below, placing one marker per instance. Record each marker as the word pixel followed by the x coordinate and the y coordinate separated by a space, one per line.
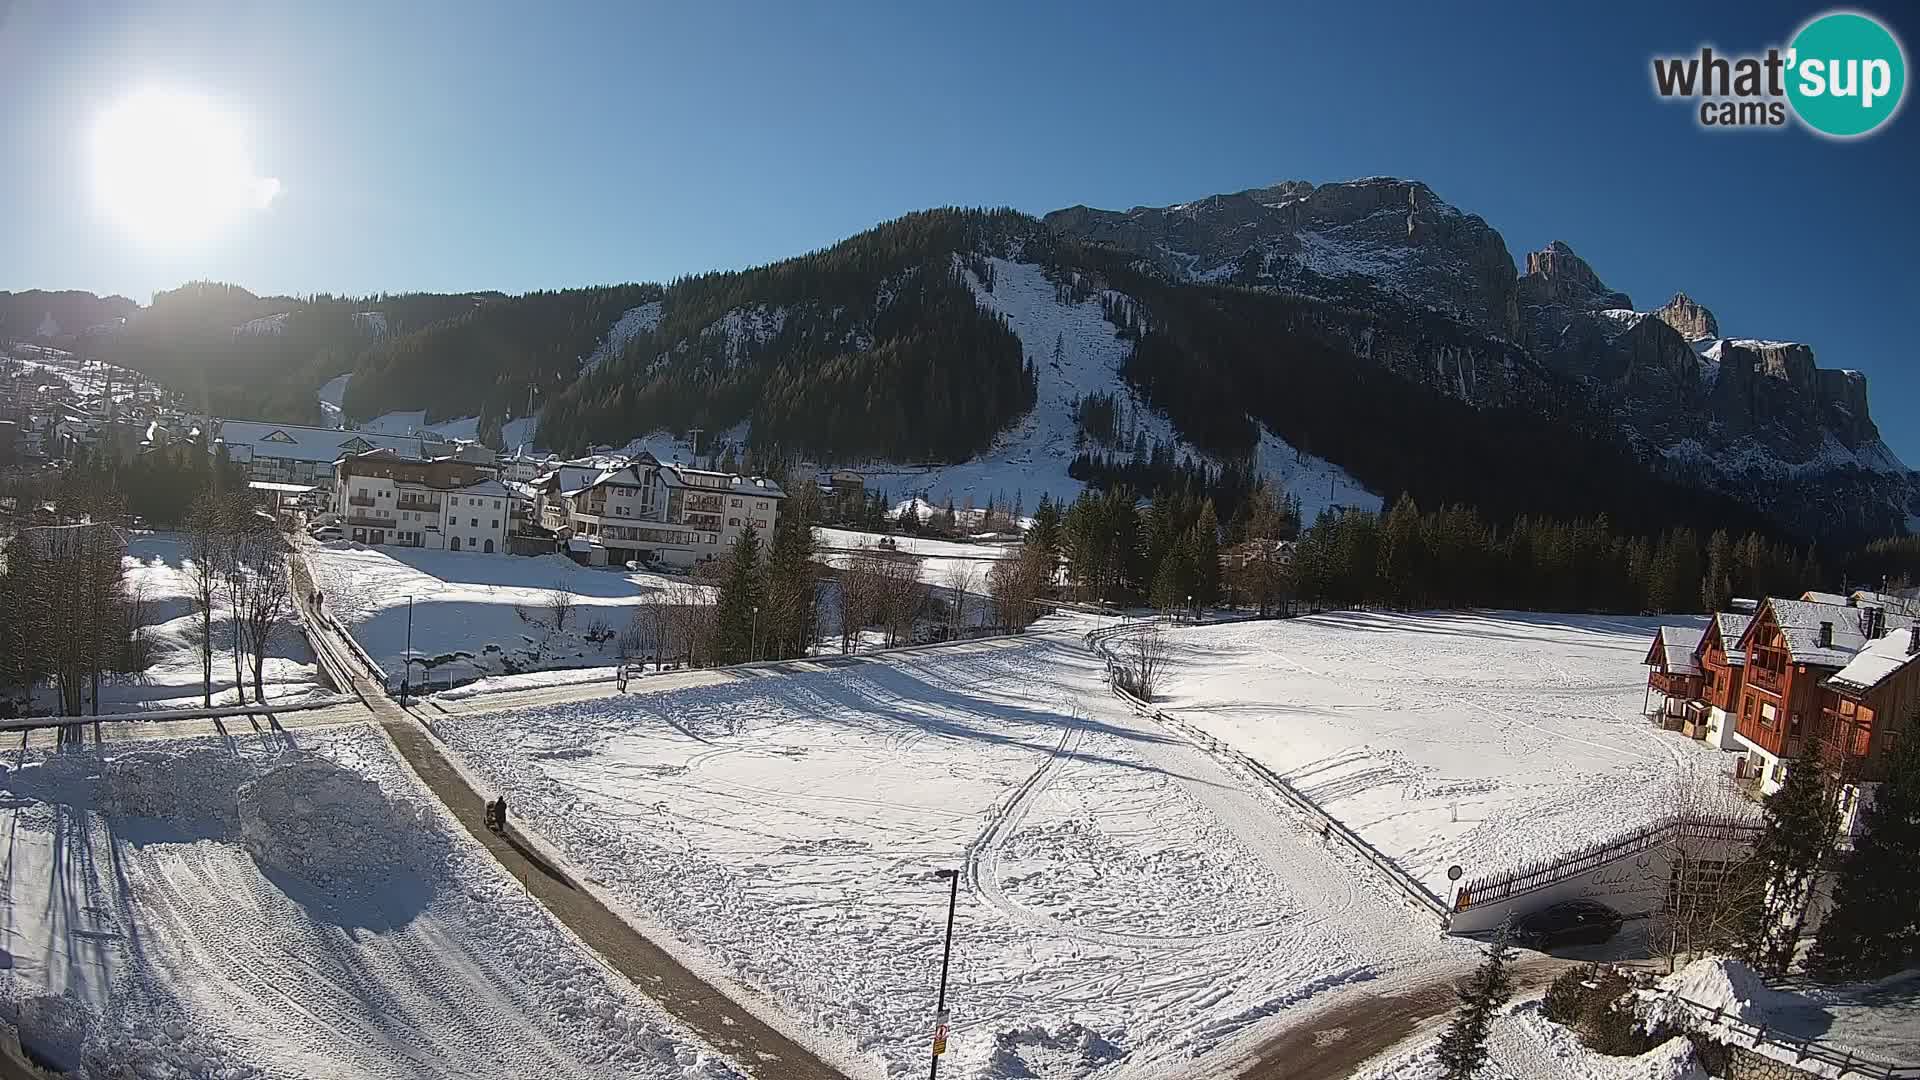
pixel 787 830
pixel 145 932
pixel 1488 739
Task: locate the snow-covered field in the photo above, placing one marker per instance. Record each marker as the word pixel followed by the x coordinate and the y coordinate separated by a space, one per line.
pixel 1124 905
pixel 1031 458
pixel 157 573
pixel 1486 739
pixel 939 559
pixel 250 910
pixel 476 614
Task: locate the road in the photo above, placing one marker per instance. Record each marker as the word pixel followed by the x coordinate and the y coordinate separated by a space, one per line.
pixel 697 1004
pixel 1335 1042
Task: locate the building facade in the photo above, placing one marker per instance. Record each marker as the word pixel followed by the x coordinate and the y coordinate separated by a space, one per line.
pixel 445 503
pixel 646 511
pixel 295 454
pixel 1792 648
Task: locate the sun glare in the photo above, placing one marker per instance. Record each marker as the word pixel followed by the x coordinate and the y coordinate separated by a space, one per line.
pixel 173 167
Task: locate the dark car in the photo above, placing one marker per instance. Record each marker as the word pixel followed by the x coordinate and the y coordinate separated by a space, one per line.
pixel 1576 922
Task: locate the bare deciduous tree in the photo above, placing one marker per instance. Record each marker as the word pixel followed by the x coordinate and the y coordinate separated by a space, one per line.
pixel 1016 586
pixel 268 599
pixel 1714 882
pixel 1143 662
pixel 204 578
pixel 962 579
pixel 559 602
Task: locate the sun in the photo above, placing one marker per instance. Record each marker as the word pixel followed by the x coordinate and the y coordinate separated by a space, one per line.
pixel 172 167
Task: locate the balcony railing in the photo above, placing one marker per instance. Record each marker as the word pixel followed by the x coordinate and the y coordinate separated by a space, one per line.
pixel 360 500
pixel 1674 684
pixel 372 522
pixel 414 504
pixel 1766 678
pixel 708 503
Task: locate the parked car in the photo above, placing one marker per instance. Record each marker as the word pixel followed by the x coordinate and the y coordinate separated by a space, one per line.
pixel 329 532
pixel 1575 922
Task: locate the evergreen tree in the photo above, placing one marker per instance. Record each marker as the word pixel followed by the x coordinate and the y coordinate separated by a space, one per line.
pixel 1206 556
pixel 1401 553
pixel 1463 1049
pixel 1044 534
pixel 740 596
pixel 1716 588
pixel 788 621
pixel 909 520
pixel 1874 927
pixel 1798 830
pixel 1171 582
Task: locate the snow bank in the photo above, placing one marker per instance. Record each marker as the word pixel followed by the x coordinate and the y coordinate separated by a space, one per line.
pixel 1522 1044
pixel 309 817
pixel 1066 1051
pixel 1718 983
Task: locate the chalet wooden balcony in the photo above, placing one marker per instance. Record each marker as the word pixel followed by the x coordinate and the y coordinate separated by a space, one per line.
pixel 1766 678
pixel 1674 684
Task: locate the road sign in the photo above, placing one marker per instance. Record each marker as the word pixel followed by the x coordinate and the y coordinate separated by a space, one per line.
pixel 940 1034
pixel 1454 872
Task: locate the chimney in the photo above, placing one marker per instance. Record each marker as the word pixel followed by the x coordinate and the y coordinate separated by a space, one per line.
pixel 1913 640
pixel 1826 635
pixel 1876 622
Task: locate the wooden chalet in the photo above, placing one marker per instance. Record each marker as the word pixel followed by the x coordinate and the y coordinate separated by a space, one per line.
pixel 1674 674
pixel 1792 647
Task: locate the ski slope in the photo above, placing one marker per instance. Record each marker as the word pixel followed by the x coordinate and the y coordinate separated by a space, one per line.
pixel 247 909
pixel 1487 739
pixel 1031 458
pixel 1124 905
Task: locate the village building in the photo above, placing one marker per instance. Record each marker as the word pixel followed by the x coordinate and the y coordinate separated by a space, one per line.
pixel 1675 675
pixel 1792 648
pixel 1866 708
pixel 1723 667
pixel 296 454
pixel 384 497
pixel 643 510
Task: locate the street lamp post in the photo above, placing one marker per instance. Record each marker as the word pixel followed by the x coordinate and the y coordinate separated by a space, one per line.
pixel 946 958
pixel 753 643
pixel 407 672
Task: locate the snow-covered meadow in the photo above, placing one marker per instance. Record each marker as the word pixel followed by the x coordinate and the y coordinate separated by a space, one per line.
pixel 1125 905
pixel 475 615
pixel 247 909
pixel 1486 739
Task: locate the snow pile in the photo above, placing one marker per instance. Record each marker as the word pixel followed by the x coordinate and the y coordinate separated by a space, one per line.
pixel 1522 1044
pixel 1721 983
pixel 168 785
pixel 311 818
pixel 1066 1051
pixel 157 1041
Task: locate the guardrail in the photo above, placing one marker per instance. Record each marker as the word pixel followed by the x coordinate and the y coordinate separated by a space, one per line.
pixel 1330 827
pixel 1539 875
pixel 1803 1049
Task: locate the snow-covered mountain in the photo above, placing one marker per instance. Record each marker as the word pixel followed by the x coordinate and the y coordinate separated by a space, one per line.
pixel 1757 419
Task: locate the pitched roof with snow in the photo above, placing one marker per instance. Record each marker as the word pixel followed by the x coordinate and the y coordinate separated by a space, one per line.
pixel 1800 621
pixel 1882 658
pixel 1731 626
pixel 1812 596
pixel 1673 649
pixel 296 442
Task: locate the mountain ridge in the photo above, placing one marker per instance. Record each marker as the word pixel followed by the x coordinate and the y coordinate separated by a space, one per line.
pixel 885 347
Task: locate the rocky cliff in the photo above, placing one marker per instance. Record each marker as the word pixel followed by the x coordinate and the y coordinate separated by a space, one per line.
pixel 1758 419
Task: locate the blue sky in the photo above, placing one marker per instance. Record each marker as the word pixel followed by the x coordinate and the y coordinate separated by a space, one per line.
pixel 481 145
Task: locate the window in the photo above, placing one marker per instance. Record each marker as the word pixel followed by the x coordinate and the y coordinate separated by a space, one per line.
pixel 733 522
pixel 496 523
pixel 760 504
pixel 736 502
pixel 1779 772
pixel 496 504
pixel 1768 715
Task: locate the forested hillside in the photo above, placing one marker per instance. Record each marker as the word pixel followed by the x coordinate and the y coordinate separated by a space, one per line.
pixel 243 355
pixel 489 360
pixel 874 348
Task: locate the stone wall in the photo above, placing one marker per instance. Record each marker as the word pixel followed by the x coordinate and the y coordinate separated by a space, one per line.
pixel 1744 1064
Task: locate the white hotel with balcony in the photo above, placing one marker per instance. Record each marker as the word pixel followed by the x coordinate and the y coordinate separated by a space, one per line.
pixel 648 511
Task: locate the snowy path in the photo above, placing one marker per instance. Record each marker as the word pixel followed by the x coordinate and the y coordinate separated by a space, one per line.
pixel 1130 906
